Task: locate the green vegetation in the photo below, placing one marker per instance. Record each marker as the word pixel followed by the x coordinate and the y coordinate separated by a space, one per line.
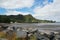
pixel 22 19
pixel 2 35
pixel 18 39
pixel 33 37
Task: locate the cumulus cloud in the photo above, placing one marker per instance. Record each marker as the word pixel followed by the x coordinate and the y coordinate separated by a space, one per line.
pixel 48 12
pixel 16 13
pixel 51 11
pixel 16 3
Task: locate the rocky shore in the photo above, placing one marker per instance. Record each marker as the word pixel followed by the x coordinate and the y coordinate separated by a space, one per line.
pixel 22 33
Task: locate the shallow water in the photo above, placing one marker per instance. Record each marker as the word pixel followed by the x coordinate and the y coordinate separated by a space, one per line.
pixel 40 26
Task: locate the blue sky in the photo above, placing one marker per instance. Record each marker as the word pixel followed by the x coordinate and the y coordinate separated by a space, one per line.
pixel 2 10
pixel 40 9
pixel 26 9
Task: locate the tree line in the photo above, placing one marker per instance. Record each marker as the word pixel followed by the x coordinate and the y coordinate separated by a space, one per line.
pixel 22 19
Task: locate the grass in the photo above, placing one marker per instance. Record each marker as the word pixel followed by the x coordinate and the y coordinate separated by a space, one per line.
pixel 33 37
pixel 2 35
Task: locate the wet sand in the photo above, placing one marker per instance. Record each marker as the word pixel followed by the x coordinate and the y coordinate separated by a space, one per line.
pixel 40 26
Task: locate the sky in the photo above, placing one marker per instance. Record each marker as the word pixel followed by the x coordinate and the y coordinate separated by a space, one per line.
pixel 40 9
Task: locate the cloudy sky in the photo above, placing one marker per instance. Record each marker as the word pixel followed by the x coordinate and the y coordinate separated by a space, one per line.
pixel 40 9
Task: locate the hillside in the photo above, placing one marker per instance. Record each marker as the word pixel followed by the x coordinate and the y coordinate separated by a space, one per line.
pixel 22 19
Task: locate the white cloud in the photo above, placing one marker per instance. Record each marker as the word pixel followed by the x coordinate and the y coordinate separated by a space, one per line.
pixel 49 12
pixel 15 13
pixel 16 3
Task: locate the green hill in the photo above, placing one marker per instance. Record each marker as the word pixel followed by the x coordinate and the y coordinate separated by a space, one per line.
pixel 22 19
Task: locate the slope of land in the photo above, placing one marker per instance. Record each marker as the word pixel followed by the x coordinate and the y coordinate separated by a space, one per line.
pixel 22 19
